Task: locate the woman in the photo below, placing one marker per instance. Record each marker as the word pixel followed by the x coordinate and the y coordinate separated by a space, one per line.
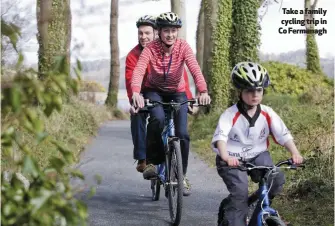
pixel 166 57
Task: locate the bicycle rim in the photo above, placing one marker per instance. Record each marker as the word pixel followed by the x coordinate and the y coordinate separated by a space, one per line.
pixel 175 191
pixel 156 189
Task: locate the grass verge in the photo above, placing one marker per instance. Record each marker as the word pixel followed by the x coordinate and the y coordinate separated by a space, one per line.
pixel 73 126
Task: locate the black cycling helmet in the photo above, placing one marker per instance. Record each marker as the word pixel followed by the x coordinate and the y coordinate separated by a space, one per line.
pixel 168 19
pixel 146 20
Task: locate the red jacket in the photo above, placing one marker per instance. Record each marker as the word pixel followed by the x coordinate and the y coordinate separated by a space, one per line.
pixel 131 62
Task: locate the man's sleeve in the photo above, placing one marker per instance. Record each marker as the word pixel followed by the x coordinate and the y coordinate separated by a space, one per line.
pixel 280 132
pixel 187 86
pixel 222 129
pixel 130 65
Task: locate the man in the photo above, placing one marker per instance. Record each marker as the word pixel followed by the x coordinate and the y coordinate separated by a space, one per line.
pixel 147 32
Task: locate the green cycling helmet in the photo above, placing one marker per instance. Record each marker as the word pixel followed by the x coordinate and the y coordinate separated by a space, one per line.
pixel 250 75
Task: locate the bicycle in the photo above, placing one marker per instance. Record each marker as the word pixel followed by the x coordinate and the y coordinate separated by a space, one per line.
pixel 170 173
pixel 267 215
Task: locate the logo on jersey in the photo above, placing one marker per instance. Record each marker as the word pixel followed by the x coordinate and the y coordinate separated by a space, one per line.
pixel 247 148
pixel 262 134
pixel 219 133
pixel 235 138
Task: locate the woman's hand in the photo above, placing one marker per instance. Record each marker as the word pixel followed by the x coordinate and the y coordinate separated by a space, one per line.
pixel 204 99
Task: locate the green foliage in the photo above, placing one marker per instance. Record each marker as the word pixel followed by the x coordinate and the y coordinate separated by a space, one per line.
pixel 11 31
pixel 290 79
pixel 245 37
pixel 49 198
pixel 312 54
pixel 219 78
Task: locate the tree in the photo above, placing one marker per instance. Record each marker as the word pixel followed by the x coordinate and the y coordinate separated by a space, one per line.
pixel 210 8
pixel 245 37
pixel 54 34
pixel 219 76
pixel 113 87
pixel 178 7
pixel 312 52
pixel 200 36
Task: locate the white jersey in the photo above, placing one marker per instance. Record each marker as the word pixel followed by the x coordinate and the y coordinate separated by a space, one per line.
pixel 245 141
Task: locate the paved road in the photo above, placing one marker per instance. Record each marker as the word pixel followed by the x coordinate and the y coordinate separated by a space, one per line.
pixel 124 197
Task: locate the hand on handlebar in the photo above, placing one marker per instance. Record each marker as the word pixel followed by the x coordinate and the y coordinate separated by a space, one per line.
pixel 297 159
pixel 138 100
pixel 204 99
pixel 232 161
pixel 133 111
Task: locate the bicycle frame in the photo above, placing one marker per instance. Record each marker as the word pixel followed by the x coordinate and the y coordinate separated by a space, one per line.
pixel 266 209
pixel 168 132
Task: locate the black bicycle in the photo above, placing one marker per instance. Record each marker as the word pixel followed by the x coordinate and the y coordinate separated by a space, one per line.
pixel 170 173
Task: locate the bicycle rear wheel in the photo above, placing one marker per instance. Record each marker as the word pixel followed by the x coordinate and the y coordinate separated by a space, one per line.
pixel 175 182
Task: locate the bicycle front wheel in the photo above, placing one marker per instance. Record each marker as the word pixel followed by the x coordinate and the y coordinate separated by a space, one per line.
pixel 175 182
pixel 273 221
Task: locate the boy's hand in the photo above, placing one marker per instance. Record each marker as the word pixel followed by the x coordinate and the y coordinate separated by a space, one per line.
pixel 297 158
pixel 232 161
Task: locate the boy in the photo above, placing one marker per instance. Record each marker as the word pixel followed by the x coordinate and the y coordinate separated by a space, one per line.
pixel 243 131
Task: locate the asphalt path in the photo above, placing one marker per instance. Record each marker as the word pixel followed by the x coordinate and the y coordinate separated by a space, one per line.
pixel 124 197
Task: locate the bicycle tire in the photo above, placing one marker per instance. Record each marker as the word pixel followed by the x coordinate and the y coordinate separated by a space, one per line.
pixel 273 221
pixel 175 152
pixel 222 221
pixel 156 189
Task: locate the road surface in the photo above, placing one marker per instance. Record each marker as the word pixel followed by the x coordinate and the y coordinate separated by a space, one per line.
pixel 124 197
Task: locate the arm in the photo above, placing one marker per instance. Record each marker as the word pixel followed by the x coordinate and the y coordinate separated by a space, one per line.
pixel 130 65
pixel 140 70
pixel 221 133
pixel 187 86
pixel 194 67
pixel 284 137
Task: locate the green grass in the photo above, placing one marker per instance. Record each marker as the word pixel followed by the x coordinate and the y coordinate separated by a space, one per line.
pixel 308 197
pixel 73 126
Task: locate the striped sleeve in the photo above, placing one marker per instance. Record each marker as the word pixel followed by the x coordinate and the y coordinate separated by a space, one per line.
pixel 140 70
pixel 194 68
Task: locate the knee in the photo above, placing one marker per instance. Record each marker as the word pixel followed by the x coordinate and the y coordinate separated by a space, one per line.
pixel 240 197
pixel 278 183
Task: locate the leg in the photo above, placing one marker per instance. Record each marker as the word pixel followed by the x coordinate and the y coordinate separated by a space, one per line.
pixel 155 149
pixel 182 133
pixel 181 129
pixel 237 185
pixel 264 159
pixel 138 132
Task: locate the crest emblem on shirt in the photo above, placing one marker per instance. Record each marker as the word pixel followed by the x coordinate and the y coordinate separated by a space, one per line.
pixel 262 134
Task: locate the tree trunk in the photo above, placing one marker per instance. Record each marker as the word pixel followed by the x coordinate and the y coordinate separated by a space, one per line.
pixel 113 88
pixel 312 51
pixel 54 34
pixel 210 18
pixel 200 38
pixel 219 79
pixel 178 6
pixel 245 37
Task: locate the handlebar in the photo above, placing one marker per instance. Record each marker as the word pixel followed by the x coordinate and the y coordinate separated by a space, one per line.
pixel 247 166
pixel 150 104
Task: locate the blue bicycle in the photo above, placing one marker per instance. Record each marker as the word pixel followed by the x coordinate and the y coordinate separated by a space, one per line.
pixel 267 215
pixel 170 173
